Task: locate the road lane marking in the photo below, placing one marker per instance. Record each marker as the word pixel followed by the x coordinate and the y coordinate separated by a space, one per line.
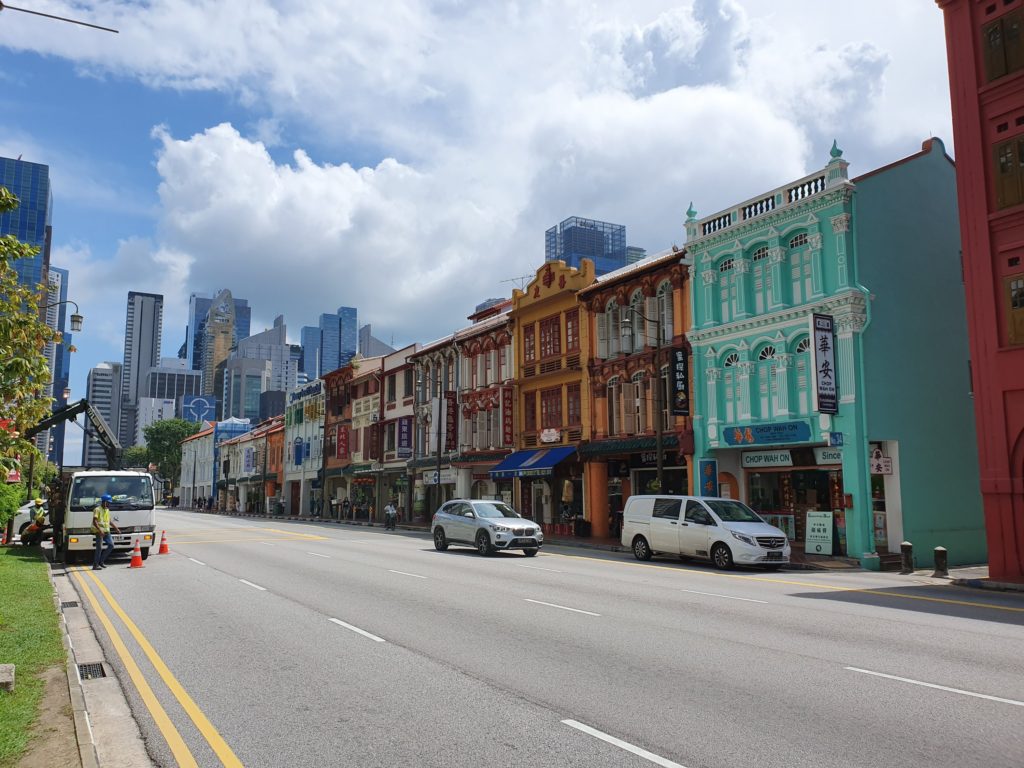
pixel 197 562
pixel 639 752
pixel 563 607
pixel 1001 700
pixel 538 568
pixel 809 585
pixel 357 630
pixel 403 573
pixel 213 738
pixel 317 554
pixel 267 544
pixel 293 533
pixel 727 597
pixel 254 586
pixel 181 541
pixel 174 740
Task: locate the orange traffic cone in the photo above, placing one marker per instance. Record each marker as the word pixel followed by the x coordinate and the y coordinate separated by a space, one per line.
pixel 164 549
pixel 136 557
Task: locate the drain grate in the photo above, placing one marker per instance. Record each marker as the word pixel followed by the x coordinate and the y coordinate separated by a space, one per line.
pixel 91 671
pixel 69 604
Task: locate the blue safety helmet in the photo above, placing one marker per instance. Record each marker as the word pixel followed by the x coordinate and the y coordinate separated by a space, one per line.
pixel 106 497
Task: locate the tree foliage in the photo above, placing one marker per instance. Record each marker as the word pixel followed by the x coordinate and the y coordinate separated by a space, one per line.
pixel 163 439
pixel 24 372
pixel 136 456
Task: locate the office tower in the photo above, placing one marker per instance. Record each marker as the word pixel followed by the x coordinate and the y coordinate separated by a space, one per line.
pixel 218 339
pixel 310 342
pixel 142 333
pixel 634 254
pixel 370 345
pixel 150 410
pixel 103 391
pixel 331 344
pixel 172 380
pixel 246 377
pixel 578 238
pixel 58 356
pixel 30 221
pixel 198 308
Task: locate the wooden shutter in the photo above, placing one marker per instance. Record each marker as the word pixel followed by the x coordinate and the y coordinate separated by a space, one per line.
pixel 602 335
pixel 1007 175
pixel 629 408
pixel 651 310
pixel 641 399
pixel 995 52
pixel 1013 45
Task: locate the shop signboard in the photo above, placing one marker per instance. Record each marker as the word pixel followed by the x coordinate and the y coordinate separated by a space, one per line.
pixel 248 461
pixel 680 383
pixel 550 435
pixel 880 465
pixel 828 456
pixel 299 451
pixel 405 437
pixel 825 363
pixel 818 537
pixel 760 459
pixel 447 476
pixel 507 435
pixel 342 442
pixel 708 472
pixel 768 434
pixel 451 423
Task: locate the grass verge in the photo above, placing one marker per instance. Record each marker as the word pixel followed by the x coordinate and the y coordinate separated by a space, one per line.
pixel 30 638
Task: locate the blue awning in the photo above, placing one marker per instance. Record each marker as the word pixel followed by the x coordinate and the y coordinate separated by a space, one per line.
pixel 536 463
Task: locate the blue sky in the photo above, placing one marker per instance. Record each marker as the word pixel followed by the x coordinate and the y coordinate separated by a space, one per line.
pixel 405 157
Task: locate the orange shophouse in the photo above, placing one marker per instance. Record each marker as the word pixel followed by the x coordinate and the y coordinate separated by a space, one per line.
pixel 552 399
pixel 337 442
pixel 639 376
pixel 273 473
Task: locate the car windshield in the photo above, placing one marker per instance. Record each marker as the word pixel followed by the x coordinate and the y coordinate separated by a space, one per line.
pixel 126 491
pixel 733 511
pixel 494 509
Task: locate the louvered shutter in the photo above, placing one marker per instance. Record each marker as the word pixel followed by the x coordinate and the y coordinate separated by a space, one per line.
pixel 602 335
pixel 629 408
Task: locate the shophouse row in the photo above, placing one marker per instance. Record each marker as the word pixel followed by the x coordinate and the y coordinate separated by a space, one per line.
pixel 805 352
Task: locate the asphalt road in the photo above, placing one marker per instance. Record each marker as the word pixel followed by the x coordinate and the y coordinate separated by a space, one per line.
pixel 290 644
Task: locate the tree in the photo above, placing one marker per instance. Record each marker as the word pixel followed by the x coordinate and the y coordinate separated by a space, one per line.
pixel 24 370
pixel 136 456
pixel 163 440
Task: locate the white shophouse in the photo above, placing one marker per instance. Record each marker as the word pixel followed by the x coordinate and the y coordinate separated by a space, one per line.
pixel 303 456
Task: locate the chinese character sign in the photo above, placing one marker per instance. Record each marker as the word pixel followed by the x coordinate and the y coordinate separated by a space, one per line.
pixel 825 364
pixel 342 442
pixel 680 383
pixel 405 437
pixel 708 472
pixel 507 428
pixel 451 424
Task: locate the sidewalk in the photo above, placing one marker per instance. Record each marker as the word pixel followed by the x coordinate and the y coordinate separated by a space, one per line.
pixel 976 576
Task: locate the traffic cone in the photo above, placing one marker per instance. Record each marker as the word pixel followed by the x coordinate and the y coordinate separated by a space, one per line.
pixel 164 549
pixel 136 557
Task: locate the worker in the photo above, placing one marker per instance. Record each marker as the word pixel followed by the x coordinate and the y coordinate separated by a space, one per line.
pixel 33 534
pixel 101 526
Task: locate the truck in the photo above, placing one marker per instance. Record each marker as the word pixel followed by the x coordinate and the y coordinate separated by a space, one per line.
pixel 76 492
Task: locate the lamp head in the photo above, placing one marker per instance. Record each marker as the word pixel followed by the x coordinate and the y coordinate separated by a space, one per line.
pixel 76 322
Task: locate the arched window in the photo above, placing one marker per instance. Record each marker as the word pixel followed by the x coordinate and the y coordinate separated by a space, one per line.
pixel 801 379
pixel 731 385
pixel 637 322
pixel 797 240
pixel 727 265
pixel 762 282
pixel 767 353
pixel 727 289
pixel 614 328
pixel 639 403
pixel 767 382
pixel 761 253
pixel 614 396
pixel 800 269
pixel 666 312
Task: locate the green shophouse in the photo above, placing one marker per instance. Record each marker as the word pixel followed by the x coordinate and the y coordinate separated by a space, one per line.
pixel 831 361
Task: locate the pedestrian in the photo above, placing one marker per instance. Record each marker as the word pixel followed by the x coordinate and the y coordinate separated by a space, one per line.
pixel 101 526
pixel 346 505
pixel 390 515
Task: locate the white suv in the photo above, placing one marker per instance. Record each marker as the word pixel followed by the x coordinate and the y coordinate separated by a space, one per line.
pixel 486 525
pixel 725 531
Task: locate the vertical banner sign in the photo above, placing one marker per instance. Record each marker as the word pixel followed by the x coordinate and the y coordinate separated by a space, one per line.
pixel 451 424
pixel 825 364
pixel 375 440
pixel 680 383
pixel 298 451
pixel 248 461
pixel 507 423
pixel 405 437
pixel 342 442
pixel 708 472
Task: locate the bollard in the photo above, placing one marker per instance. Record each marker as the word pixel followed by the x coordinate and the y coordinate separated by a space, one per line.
pixel 941 571
pixel 907 557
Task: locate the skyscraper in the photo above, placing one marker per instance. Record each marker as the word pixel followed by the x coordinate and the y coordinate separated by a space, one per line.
pixel 198 308
pixel 142 335
pixel 331 344
pixel 61 364
pixel 218 339
pixel 30 221
pixel 103 391
pixel 578 238
pixel 261 363
pixel 370 345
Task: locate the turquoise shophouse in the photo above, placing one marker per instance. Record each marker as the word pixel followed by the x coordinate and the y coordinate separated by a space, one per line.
pixel 830 355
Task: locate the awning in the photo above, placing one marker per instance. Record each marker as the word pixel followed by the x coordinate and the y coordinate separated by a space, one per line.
pixel 536 463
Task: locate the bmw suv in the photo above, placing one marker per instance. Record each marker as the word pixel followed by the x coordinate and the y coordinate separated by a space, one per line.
pixel 488 526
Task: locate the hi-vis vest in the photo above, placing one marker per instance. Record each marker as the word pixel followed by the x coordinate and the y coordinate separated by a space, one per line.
pixel 101 520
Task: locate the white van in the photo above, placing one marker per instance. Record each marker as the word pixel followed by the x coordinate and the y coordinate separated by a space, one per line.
pixel 725 531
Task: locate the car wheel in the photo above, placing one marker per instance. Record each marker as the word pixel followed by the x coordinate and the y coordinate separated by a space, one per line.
pixel 530 551
pixel 641 549
pixel 483 543
pixel 440 541
pixel 721 556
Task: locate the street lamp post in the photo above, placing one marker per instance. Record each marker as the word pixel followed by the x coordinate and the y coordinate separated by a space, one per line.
pixel 425 378
pixel 658 405
pixel 76 317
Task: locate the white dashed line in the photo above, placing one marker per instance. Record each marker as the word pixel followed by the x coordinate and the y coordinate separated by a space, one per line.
pixel 656 759
pixel 563 607
pixel 317 554
pixel 538 568
pixel 403 573
pixel 727 597
pixel 357 630
pixel 254 586
pixel 197 562
pixel 267 544
pixel 1014 702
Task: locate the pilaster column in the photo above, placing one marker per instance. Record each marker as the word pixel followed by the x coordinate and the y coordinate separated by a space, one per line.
pixel 817 273
pixel 709 277
pixel 743 407
pixel 741 274
pixel 840 228
pixel 713 376
pixel 776 258
pixel 845 329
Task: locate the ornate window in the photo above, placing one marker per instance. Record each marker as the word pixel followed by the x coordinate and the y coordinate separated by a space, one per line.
pixel 614 326
pixel 634 340
pixel 529 344
pixel 727 289
pixel 761 253
pixel 762 283
pixel 804 345
pixel 767 353
pixel 550 337
pixel 726 265
pixel 797 240
pixel 767 382
pixel 574 410
pixel 801 382
pixel 551 408
pixel 613 406
pixel 666 312
pixel 732 361
pixel 530 412
pixel 572 331
pixel 638 405
pixel 731 382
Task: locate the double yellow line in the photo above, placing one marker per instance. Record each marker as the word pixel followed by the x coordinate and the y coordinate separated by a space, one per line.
pixel 179 749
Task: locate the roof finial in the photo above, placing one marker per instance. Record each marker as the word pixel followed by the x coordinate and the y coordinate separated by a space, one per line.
pixel 691 213
pixel 836 152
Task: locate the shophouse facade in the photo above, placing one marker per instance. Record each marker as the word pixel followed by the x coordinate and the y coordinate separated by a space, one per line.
pixel 338 435
pixel 197 468
pixel 552 355
pixel 397 426
pixel 245 462
pixel 366 481
pixel 830 353
pixel 436 443
pixel 303 438
pixel 639 374
pixel 486 401
pixel 273 470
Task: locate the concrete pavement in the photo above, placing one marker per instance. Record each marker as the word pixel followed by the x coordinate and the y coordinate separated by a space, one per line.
pixel 312 643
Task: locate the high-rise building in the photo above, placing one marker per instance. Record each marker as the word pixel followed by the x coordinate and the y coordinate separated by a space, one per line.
pixel 198 308
pixel 260 363
pixel 635 254
pixel 578 238
pixel 103 391
pixel 142 335
pixel 331 344
pixel 172 380
pixel 30 221
pixel 310 343
pixel 62 362
pixel 150 410
pixel 986 68
pixel 218 339
pixel 370 345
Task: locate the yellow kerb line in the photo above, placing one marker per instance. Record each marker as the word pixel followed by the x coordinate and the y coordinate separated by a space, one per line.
pixel 827 587
pixel 220 747
pixel 178 748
